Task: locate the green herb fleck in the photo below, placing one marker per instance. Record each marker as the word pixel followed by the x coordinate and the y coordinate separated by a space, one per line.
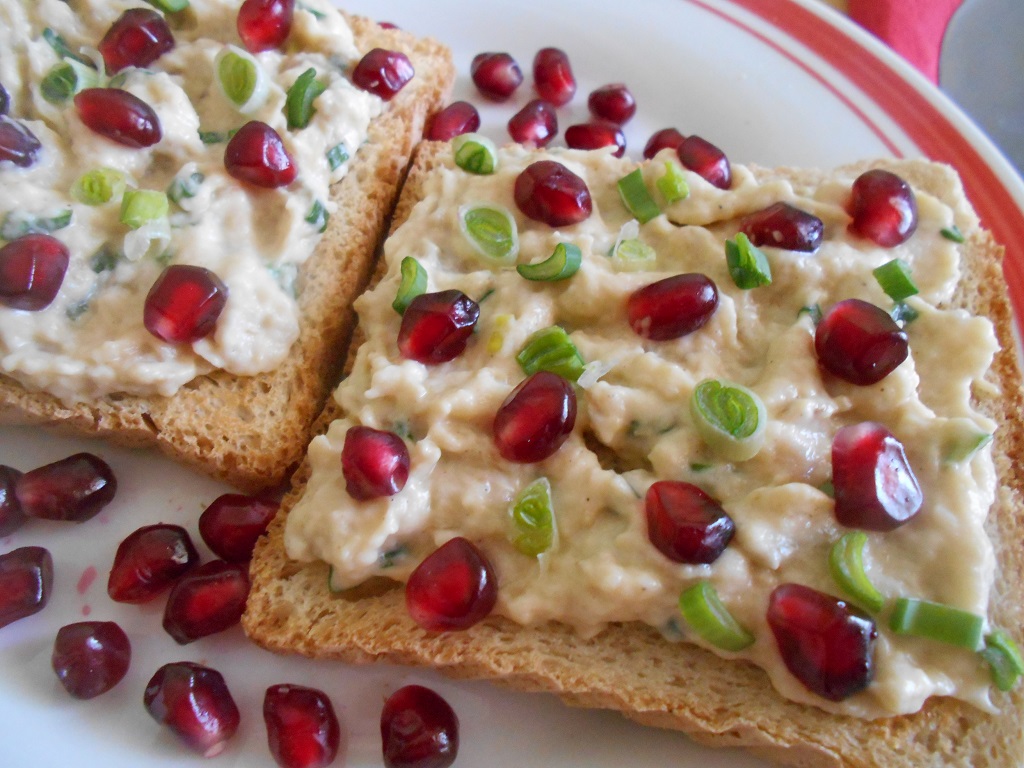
pixel 953 233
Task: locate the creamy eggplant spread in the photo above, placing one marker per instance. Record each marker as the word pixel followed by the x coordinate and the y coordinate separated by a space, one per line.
pixel 91 340
pixel 634 427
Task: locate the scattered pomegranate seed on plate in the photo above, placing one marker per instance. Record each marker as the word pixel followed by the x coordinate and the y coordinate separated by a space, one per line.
pixel 139 37
pixel 206 600
pixel 536 124
pixel 90 657
pixel 264 24
pixel 496 75
pixel 859 342
pixel 120 116
pixel 149 561
pixel 706 160
pixel 883 207
pixel 195 703
pixel 453 588
pixel 18 145
pixel 666 138
pixel 547 191
pixel 302 728
pixel 32 270
pixel 457 118
pixel 553 77
pixel 685 524
pixel 673 307
pixel 184 304
pixel 613 102
pixel 26 580
pixel 383 73
pixel 418 729
pixel 374 462
pixel 75 488
pixel 11 514
pixel 233 523
pixel 257 155
pixel 595 135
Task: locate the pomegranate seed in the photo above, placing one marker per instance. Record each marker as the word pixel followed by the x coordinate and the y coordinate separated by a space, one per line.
pixel 387 25
pixel 549 192
pixel 685 524
pixel 26 580
pixel 883 208
pixel 784 226
pixel 18 145
pixel 184 304
pixel 11 514
pixel 302 729
pixel 613 102
pixel 859 342
pixel 552 75
pixel 149 561
pixel 206 600
pixel 457 118
pixel 32 270
pixel 666 138
pixel 264 24
pixel 453 588
pixel 706 160
pixel 5 101
pixel 535 124
pixel 827 644
pixel 437 326
pixel 119 116
pixel 596 134
pixel 875 488
pixel 257 156
pixel 233 523
pixel 139 37
pixel 375 463
pixel 75 488
pixel 418 729
pixel 673 307
pixel 496 75
pixel 383 73
pixel 535 419
pixel 195 703
pixel 91 657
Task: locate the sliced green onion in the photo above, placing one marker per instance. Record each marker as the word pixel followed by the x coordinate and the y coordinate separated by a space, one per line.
pixel 298 105
pixel 551 349
pixel 903 313
pixel 533 518
pixel 315 13
pixel 185 187
pixel 213 137
pixel 414 283
pixel 636 198
pixel 241 78
pixel 66 79
pixel 828 488
pixel 318 216
pixel 169 6
pixel 935 621
pixel 953 233
pixel 708 617
pixel 104 260
pixel 287 277
pixel 1004 659
pixel 337 156
pixel 672 184
pixel 76 310
pixel 632 253
pixel 60 47
pixel 894 277
pixel 846 563
pixel 747 263
pixel 18 224
pixel 813 311
pixel 563 263
pixel 99 186
pixel 391 557
pixel 141 206
pixel 729 418
pixel 491 230
pixel 696 466
pixel 961 439
pixel 475 153
pixel 497 338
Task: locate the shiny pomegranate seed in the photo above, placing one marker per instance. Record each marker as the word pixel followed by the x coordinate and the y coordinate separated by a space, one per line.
pixel 184 304
pixel 859 342
pixel 418 729
pixel 74 489
pixel 11 514
pixel 18 145
pixel 26 580
pixel 437 326
pixel 5 101
pixel 496 75
pixel 149 561
pixel 673 307
pixel 613 102
pixel 706 160
pixel 264 24
pixel 206 600
pixel 827 644
pixel 883 207
pixel 195 703
pixel 535 419
pixel 666 138
pixel 552 75
pixel 233 523
pixel 32 270
pixel 875 488
pixel 549 192
pixel 535 124
pixel 784 226
pixel 596 134
pixel 457 118
pixel 302 729
pixel 139 37
pixel 383 73
pixel 119 116
pixel 375 463
pixel 453 588
pixel 685 524
pixel 257 156
pixel 90 657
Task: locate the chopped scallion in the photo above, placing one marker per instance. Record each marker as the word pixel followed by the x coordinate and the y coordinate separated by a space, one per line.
pixel 313 11
pixel 708 617
pixel 562 263
pixel 551 349
pixel 414 283
pixel 903 313
pixel 298 105
pixel 389 558
pixel 18 224
pixel 169 6
pixel 672 184
pixel 813 311
pixel 104 260
pixel 337 156
pixel 66 79
pixel 318 216
pixel 1004 659
pixel 60 47
pixel 185 187
pixel 492 232
pixel 632 253
pixel 730 418
pixel 961 439
pixel 141 206
pixel 475 153
pixel 936 621
pixel 496 340
pixel 894 277
pixel 241 78
pixel 846 564
pixel 636 198
pixel 953 233
pixel 748 266
pixel 99 186
pixel 533 518
pixel 214 137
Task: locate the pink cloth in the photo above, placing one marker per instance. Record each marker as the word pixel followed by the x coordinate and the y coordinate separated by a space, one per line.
pixel 912 28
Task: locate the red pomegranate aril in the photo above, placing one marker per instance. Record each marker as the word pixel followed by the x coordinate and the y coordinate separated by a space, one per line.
pixel 374 462
pixel 5 101
pixel 685 524
pixel 496 75
pixel 195 703
pixel 666 138
pixel 206 600
pixel 706 160
pixel 233 523
pixel 595 135
pixel 11 514
pixel 457 118
pixel 120 116
pixel 26 580
pixel 149 561
pixel 184 304
pixel 256 155
pixel 553 77
pixel 139 37
pixel 673 307
pixel 437 326
pixel 453 588
pixel 418 729
pixel 302 729
pixel 613 102
pixel 548 192
pixel 825 643
pixel 535 124
pixel 875 487
pixel 859 342
pixel 784 226
pixel 264 24
pixel 90 657
pixel 883 207
pixel 75 488
pixel 383 73
pixel 18 145
pixel 32 270
pixel 535 419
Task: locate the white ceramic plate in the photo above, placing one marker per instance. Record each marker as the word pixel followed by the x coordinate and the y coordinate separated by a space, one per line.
pixel 771 82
